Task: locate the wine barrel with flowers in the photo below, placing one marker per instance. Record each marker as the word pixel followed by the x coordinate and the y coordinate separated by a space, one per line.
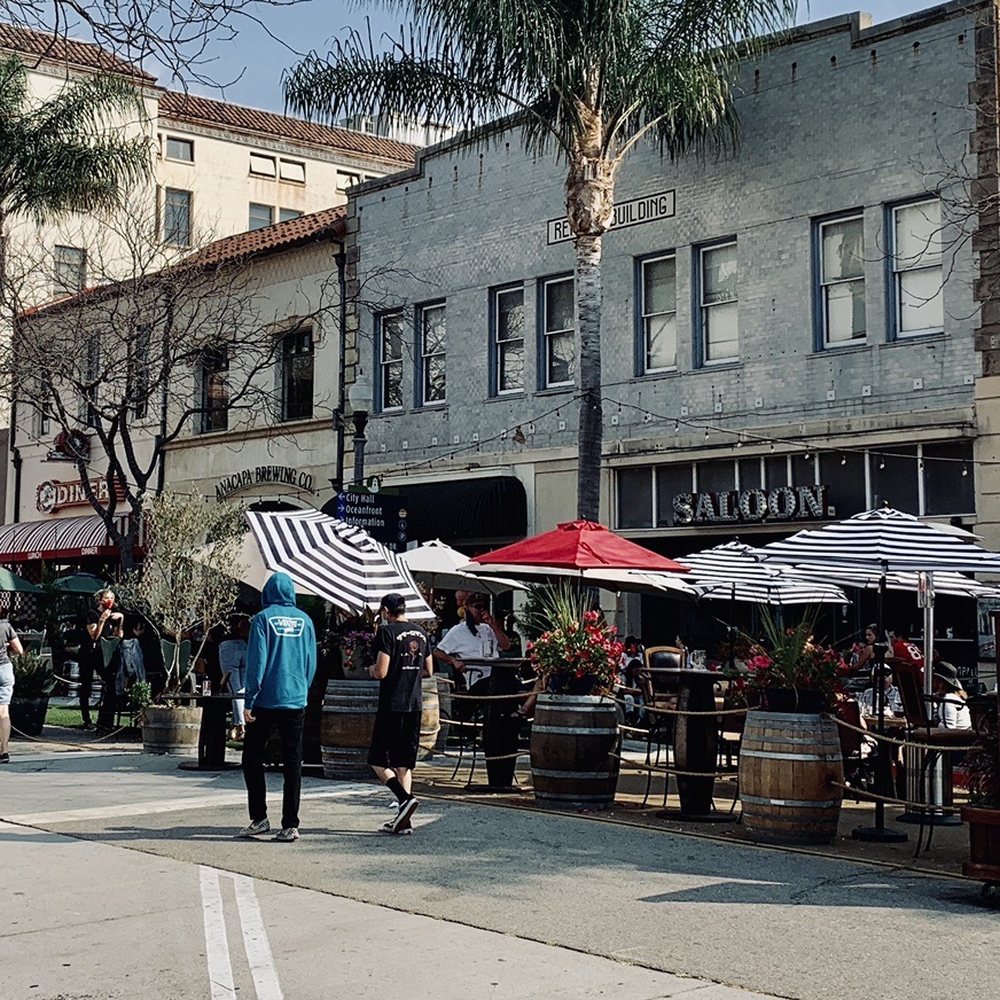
pixel 574 736
pixel 346 728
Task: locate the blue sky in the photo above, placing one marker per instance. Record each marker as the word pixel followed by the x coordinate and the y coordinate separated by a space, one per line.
pixel 261 59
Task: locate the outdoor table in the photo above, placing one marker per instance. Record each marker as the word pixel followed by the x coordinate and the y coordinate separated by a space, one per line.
pixel 696 744
pixel 215 711
pixel 500 724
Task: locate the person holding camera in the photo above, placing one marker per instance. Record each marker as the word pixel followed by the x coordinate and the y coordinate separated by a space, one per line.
pixel 104 621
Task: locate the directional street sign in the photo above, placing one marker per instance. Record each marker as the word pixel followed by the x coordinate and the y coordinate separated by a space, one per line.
pixel 382 515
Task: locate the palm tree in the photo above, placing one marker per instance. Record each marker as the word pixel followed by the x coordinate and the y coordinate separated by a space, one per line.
pixel 70 152
pixel 587 79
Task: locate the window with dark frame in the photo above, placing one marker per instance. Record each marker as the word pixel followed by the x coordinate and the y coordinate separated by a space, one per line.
pixel 261 216
pixel 433 354
pixel 180 149
pixel 390 356
pixel 70 270
pixel 917 268
pixel 263 166
pixel 297 375
pixel 842 280
pixel 177 217
pixel 658 299
pixel 559 332
pixel 508 333
pixel 719 309
pixel 140 371
pixel 214 369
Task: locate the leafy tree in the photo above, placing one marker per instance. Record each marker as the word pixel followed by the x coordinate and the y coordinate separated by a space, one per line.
pixel 69 153
pixel 588 80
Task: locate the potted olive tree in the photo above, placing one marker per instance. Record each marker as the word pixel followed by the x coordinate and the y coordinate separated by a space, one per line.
pixel 186 583
pixel 983 812
pixel 34 680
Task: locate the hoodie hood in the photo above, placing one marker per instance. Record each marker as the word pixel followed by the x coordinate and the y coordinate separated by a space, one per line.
pixel 279 589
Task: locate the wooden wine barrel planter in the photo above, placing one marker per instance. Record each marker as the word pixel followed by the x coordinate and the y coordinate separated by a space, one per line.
pixel 345 730
pixel 573 742
pixel 788 763
pixel 171 730
pixel 430 715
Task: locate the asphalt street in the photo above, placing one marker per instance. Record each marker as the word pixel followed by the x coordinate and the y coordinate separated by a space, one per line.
pixel 480 901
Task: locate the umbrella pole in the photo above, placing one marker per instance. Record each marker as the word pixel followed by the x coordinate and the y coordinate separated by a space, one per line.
pixel 880 833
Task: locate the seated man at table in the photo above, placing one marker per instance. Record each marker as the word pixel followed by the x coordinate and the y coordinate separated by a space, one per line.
pixel 893 702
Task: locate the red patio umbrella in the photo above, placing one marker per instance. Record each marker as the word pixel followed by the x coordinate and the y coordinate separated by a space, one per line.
pixel 582 549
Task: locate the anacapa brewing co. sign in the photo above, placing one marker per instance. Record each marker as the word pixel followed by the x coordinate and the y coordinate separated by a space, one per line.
pixel 279 475
pixel 53 495
pixel 784 503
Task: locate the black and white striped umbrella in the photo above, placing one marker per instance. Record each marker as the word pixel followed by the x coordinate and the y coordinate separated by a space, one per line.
pixel 886 541
pixel 950 584
pixel 334 560
pixel 735 572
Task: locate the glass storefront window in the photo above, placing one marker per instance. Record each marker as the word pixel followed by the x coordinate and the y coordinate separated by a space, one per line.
pixel 894 479
pixel 670 480
pixel 946 490
pixel 635 498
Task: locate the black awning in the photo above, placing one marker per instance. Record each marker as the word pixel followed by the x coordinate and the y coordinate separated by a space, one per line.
pixel 491 510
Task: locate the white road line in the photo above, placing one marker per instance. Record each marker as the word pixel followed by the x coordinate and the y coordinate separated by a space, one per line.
pixel 220 969
pixel 265 976
pixel 210 798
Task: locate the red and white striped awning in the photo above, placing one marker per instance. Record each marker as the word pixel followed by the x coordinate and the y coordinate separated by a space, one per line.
pixel 56 538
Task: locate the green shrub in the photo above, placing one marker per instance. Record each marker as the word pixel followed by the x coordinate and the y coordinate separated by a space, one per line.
pixel 33 676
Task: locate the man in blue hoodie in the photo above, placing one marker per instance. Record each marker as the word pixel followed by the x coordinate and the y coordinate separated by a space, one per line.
pixel 281 663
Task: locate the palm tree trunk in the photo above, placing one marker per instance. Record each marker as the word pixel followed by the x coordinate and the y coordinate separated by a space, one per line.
pixel 588 307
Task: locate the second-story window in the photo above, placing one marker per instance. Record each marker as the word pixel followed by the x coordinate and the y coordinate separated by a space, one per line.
pixel 177 217
pixel 559 332
pixel 214 390
pixel 719 310
pixel 297 375
pixel 347 179
pixel 261 216
pixel 292 170
pixel 916 266
pixel 180 149
pixel 70 270
pixel 842 280
pixel 433 350
pixel 140 370
pixel 263 166
pixel 658 296
pixel 287 214
pixel 508 334
pixel 390 356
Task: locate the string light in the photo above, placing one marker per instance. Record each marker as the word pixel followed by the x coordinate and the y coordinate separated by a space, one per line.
pixel 965 469
pixel 843 460
pixel 706 433
pixel 807 456
pixel 677 427
pixel 881 463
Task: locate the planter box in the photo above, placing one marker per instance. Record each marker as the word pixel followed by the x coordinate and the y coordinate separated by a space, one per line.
pixel 984 843
pixel 28 714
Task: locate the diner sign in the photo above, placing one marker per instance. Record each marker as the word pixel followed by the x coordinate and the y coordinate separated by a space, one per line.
pixel 651 208
pixel 281 475
pixel 53 495
pixel 784 503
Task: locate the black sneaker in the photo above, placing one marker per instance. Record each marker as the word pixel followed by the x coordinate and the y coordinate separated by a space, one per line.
pixel 4 758
pixel 406 810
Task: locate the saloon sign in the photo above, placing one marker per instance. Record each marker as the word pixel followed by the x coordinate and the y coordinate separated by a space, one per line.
pixel 53 495
pixel 784 503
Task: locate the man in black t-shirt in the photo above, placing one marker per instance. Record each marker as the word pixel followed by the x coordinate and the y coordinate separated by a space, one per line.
pixel 402 658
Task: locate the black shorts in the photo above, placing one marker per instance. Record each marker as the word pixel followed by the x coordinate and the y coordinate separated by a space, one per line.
pixel 395 740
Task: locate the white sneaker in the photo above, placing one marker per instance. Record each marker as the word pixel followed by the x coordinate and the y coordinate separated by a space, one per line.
pixel 286 835
pixel 254 830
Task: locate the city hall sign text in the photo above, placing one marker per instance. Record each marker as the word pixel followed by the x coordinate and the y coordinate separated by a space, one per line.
pixel 784 503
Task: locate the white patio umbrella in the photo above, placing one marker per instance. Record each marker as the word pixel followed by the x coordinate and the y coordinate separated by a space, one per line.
pixel 734 571
pixel 440 566
pixel 334 560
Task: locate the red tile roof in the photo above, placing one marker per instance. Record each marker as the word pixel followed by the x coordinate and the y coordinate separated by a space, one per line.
pixel 58 48
pixel 281 236
pixel 202 110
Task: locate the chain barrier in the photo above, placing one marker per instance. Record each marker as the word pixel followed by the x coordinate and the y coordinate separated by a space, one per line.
pixel 667 769
pixel 491 697
pixel 885 738
pixel 891 800
pixel 657 710
pixel 65 743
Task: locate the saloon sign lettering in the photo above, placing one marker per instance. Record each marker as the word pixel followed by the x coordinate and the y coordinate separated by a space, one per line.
pixel 784 503
pixel 53 495
pixel 281 475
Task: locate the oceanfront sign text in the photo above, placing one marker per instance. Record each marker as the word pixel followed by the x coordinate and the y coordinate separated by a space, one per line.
pixel 281 475
pixel 627 213
pixel 785 503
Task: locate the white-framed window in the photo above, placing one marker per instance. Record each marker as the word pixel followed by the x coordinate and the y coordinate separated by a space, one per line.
pixel 719 304
pixel 658 298
pixel 558 332
pixel 508 339
pixel 287 214
pixel 917 270
pixel 177 217
pixel 263 166
pixel 433 353
pixel 292 170
pixel 390 356
pixel 842 280
pixel 261 216
pixel 70 267
pixel 346 179
pixel 180 149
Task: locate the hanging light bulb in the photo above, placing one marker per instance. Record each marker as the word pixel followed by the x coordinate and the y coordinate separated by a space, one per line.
pixel 739 441
pixel 843 460
pixel 677 427
pixel 706 433
pixel 807 456
pixel 881 463
pixel 965 469
pixel 770 447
